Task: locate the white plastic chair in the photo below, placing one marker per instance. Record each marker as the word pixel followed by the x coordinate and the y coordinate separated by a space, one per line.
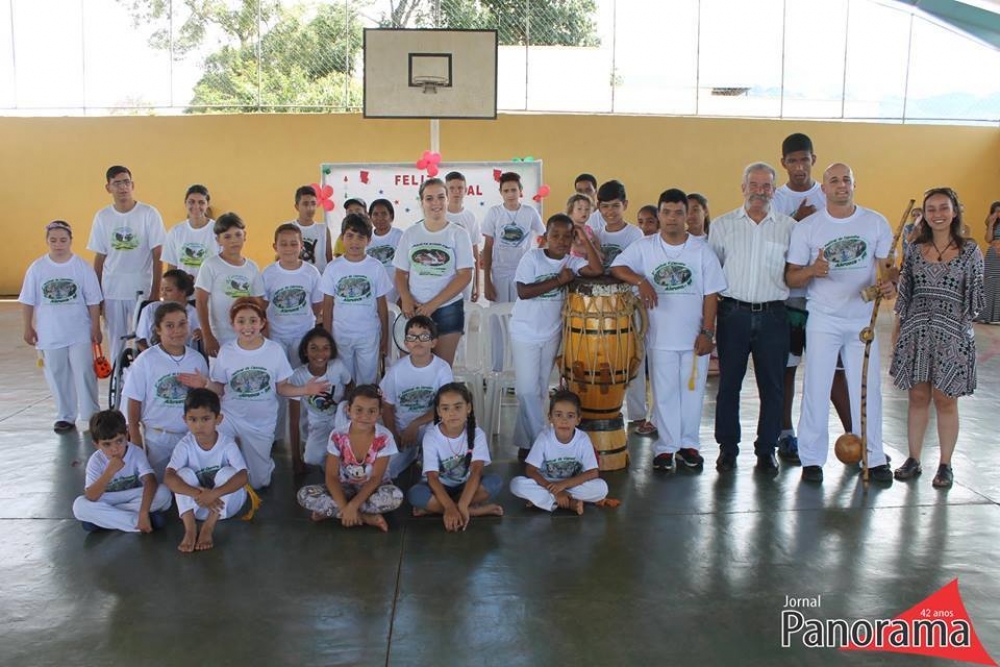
pixel 395 337
pixel 498 382
pixel 470 363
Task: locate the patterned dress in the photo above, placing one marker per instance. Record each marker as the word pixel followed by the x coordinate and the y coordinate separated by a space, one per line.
pixel 937 303
pixel 990 314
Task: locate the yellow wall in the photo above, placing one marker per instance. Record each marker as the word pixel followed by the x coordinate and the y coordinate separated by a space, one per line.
pixel 54 167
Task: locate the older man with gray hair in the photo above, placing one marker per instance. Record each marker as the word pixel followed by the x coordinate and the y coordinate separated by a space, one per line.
pixel 752 243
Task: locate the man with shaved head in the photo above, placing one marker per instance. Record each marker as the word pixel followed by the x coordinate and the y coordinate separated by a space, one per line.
pixel 834 254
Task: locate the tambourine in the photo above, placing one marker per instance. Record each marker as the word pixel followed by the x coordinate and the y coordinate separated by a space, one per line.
pixel 102 367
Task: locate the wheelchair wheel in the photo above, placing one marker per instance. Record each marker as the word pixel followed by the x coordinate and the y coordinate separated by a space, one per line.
pixel 117 382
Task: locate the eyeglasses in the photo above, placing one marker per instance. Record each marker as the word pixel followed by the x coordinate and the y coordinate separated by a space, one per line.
pixel 123 183
pixel 423 338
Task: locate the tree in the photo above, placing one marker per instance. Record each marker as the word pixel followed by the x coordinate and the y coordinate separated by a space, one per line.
pixel 518 22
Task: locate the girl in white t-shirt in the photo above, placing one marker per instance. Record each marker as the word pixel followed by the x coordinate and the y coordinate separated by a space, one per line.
pixel 358 490
pixel 61 300
pixel 455 453
pixel 323 412
pixel 433 265
pixel 191 242
pixel 250 373
pixel 176 287
pixel 154 392
pixel 385 240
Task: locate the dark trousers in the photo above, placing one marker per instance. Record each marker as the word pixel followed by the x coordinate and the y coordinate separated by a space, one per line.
pixel 741 333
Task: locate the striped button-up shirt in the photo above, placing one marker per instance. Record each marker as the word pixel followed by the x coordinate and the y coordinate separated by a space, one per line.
pixel 752 254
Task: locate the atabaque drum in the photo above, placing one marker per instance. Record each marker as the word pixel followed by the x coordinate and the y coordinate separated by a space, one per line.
pixel 603 330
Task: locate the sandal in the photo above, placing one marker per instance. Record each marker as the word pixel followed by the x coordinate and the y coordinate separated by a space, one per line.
pixel 944 477
pixel 645 428
pixel 910 469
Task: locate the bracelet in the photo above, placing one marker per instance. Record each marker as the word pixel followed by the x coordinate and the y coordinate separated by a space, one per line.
pixel 707 333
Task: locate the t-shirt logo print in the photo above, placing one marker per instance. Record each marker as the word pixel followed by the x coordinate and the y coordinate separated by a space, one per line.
pixel 562 468
pixel 308 252
pixel 123 483
pixel 553 293
pixel 846 252
pixel 193 254
pixel 512 235
pixel 124 238
pixel 251 382
pixel 322 402
pixel 291 299
pixel 416 399
pixel 352 289
pixel 610 252
pixel 383 253
pixel 672 276
pixel 59 290
pixel 237 286
pixel 430 259
pixel 170 391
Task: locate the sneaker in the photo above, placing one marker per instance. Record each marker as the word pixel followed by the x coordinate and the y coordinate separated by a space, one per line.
pixel 157 520
pixel 725 462
pixel 944 477
pixel 910 469
pixel 63 426
pixel 812 473
pixel 861 465
pixel 689 458
pixel 89 527
pixel 881 474
pixel 788 449
pixel 663 461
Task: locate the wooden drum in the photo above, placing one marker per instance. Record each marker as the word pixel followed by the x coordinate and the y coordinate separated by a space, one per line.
pixel 601 354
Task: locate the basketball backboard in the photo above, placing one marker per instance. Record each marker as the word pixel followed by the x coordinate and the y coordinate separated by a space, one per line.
pixel 430 73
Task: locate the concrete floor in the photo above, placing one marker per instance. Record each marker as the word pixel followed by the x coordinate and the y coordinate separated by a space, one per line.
pixel 690 570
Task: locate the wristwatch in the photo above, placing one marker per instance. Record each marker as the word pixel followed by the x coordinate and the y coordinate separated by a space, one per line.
pixel 710 335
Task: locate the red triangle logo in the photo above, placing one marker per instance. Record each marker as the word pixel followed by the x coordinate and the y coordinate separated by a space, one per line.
pixel 938 626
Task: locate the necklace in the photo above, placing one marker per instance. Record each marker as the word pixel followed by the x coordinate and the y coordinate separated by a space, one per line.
pixel 940 251
pixel 176 360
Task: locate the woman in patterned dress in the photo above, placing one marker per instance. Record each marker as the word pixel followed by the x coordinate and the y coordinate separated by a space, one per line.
pixel 991 276
pixel 940 294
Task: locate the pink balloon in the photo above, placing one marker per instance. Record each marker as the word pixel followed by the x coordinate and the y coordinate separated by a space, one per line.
pixel 544 191
pixel 327 191
pixel 421 164
pixel 327 205
pixel 317 188
pixel 435 158
pixel 426 155
pixel 432 170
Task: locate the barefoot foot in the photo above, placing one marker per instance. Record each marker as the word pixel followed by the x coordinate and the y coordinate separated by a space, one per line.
pixel 491 509
pixel 318 516
pixel 576 506
pixel 187 544
pixel 376 520
pixel 205 537
pixel 418 512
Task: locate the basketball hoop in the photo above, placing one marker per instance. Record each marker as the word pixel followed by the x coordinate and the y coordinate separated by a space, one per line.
pixel 430 83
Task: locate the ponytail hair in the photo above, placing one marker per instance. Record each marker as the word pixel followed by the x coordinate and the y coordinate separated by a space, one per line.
pixel 470 424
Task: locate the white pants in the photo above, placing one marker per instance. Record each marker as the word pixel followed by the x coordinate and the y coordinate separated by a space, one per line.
pixel 291 348
pixel 590 491
pixel 119 510
pixel 117 320
pixel 827 337
pixel 159 447
pixel 532 371
pixel 677 408
pixel 635 393
pixel 233 501
pixel 506 289
pixel 256 447
pixel 70 374
pixel 360 355
pixel 317 440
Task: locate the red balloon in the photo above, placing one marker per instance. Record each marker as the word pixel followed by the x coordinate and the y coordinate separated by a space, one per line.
pixel 432 170
pixel 426 155
pixel 422 164
pixel 327 191
pixel 435 158
pixel 543 191
pixel 327 205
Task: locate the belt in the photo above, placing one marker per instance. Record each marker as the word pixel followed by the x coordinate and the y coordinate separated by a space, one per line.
pixel 754 307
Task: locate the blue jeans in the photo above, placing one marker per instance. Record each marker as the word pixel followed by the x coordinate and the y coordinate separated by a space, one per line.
pixel 420 494
pixel 450 319
pixel 740 333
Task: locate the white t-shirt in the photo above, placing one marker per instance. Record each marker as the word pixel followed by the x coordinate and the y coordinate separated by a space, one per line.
pixel 787 201
pixel 290 297
pixel 353 471
pixel 851 246
pixel 597 222
pixel 538 320
pixel 466 219
pixel 206 462
pixel 250 378
pixel 556 460
pixel 225 283
pixel 383 248
pixel 410 390
pixel 355 288
pixel 152 380
pixel 446 456
pixel 433 258
pixel 187 248
pixel 127 241
pixel 144 329
pixel 322 407
pixel 129 477
pixel 60 294
pixel 682 276
pixel 513 234
pixel 613 243
pixel 313 243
